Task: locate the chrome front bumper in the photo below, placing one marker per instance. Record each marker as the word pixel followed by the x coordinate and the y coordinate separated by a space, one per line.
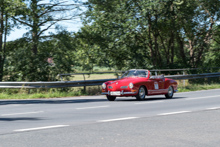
pixel 122 93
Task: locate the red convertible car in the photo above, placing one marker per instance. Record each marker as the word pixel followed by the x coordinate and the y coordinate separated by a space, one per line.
pixel 139 83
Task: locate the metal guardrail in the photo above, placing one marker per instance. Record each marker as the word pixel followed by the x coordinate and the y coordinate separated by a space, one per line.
pixel 64 84
pixel 194 76
pixel 58 84
pixel 185 69
pixel 153 70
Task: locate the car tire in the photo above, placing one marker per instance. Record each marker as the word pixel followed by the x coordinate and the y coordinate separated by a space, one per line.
pixel 169 95
pixel 111 98
pixel 141 93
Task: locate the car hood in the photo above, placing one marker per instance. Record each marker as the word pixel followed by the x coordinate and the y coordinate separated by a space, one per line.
pixel 126 81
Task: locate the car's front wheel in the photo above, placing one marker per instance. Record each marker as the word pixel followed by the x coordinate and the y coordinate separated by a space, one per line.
pixel 170 92
pixel 111 98
pixel 141 93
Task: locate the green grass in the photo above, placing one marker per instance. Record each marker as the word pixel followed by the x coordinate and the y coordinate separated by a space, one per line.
pixel 40 95
pixel 48 93
pixel 197 87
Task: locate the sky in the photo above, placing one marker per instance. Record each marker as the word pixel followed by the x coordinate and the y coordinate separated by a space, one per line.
pixel 71 26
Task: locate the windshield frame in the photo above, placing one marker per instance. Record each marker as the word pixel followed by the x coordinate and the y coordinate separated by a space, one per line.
pixel 135 73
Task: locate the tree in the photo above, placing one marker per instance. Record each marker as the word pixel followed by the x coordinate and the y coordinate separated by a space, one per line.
pixel 55 56
pixel 212 58
pixel 197 23
pixel 7 10
pixel 164 34
pixel 38 17
pixel 118 38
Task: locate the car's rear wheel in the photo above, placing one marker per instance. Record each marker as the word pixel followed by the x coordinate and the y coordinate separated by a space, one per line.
pixel 141 93
pixel 111 98
pixel 170 93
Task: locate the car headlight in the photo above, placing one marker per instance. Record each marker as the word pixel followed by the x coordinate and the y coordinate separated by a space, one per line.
pixel 103 86
pixel 131 85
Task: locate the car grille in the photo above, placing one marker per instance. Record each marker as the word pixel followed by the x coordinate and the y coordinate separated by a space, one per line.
pixel 124 87
pixel 109 87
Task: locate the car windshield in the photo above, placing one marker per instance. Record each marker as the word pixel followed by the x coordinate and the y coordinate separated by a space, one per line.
pixel 135 73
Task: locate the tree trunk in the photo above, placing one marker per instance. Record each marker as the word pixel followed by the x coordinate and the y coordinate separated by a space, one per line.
pixel 165 49
pixel 35 43
pixel 1 39
pixel 200 53
pixel 172 47
pixel 191 47
pixel 181 47
pixel 157 51
pixel 35 28
pixel 153 58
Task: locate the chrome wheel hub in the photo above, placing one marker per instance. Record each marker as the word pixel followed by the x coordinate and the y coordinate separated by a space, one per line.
pixel 142 93
pixel 170 91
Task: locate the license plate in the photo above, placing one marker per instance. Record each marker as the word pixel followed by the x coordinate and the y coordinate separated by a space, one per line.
pixel 115 93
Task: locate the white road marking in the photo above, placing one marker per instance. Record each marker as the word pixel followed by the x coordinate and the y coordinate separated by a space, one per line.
pixel 95 107
pixel 22 113
pixel 117 119
pixel 14 105
pixel 171 113
pixel 202 97
pixel 213 108
pixel 148 102
pixel 196 91
pixel 40 128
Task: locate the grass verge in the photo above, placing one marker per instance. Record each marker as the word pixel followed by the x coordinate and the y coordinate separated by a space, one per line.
pixel 196 87
pixel 47 93
pixel 39 95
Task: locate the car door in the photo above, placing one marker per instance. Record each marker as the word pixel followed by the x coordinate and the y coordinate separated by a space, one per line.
pixel 153 86
pixel 158 85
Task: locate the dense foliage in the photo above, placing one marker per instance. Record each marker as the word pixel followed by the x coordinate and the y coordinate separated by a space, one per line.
pixel 118 34
pixel 159 34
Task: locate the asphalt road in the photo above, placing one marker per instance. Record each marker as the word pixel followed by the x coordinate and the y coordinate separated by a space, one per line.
pixel 189 119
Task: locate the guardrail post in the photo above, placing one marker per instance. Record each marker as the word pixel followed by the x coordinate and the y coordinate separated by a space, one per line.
pixel 155 73
pixel 61 78
pixel 84 89
pixel 184 81
pixel 208 78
